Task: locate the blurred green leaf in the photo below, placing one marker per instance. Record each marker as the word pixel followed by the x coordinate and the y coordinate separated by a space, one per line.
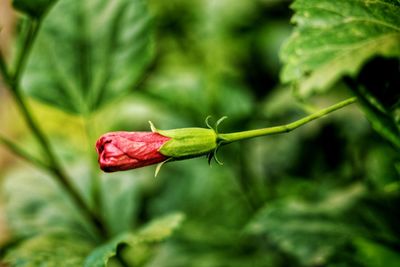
pixel 173 256
pixel 310 231
pixel 120 201
pixel 335 38
pixel 189 86
pixel 375 255
pixel 88 53
pixel 159 229
pixel 377 88
pixel 155 231
pixel 380 168
pixel 35 204
pixel 380 121
pixel 34 8
pixel 51 250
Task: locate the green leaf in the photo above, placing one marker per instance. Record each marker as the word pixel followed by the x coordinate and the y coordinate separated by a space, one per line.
pixel 159 229
pixel 311 232
pixel 375 255
pixel 88 53
pixel 50 250
pixel 120 198
pixel 34 8
pixel 35 204
pixel 155 231
pixel 377 88
pixel 380 121
pixel 335 38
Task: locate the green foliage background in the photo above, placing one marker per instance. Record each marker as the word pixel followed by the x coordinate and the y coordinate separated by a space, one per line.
pixel 326 194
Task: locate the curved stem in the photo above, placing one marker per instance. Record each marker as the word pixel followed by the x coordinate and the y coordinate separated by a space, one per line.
pixel 22 153
pixel 22 57
pixel 3 69
pixel 232 137
pixel 54 167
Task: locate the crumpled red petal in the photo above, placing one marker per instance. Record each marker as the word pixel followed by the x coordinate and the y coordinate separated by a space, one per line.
pixel 119 151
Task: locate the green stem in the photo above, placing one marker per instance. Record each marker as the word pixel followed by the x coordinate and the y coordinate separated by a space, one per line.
pixel 22 57
pixel 22 153
pixel 3 69
pixel 54 166
pixel 232 137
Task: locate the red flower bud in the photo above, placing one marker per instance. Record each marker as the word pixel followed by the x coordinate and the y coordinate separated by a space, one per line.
pixel 119 151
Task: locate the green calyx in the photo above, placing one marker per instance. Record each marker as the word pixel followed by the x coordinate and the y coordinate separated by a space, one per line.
pixel 191 142
pixel 188 142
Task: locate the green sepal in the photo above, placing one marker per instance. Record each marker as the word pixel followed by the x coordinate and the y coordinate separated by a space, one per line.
pixel 188 142
pixel 159 165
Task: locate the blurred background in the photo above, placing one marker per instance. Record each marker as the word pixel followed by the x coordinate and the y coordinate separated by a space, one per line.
pixel 326 194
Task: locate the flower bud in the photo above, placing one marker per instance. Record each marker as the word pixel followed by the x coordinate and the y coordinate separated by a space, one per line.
pixel 120 151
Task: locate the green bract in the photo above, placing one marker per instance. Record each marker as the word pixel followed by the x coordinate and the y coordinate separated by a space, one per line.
pixel 188 142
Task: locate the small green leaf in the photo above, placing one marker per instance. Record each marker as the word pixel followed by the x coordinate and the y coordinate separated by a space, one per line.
pixel 50 250
pixel 88 53
pixel 335 38
pixel 34 8
pixel 155 231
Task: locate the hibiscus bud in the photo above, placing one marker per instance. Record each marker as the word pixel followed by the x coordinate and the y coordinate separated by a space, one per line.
pixel 120 151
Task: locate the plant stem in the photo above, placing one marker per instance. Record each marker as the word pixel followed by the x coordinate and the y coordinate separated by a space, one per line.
pixel 54 167
pixel 22 153
pixel 3 68
pixel 22 57
pixel 232 137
